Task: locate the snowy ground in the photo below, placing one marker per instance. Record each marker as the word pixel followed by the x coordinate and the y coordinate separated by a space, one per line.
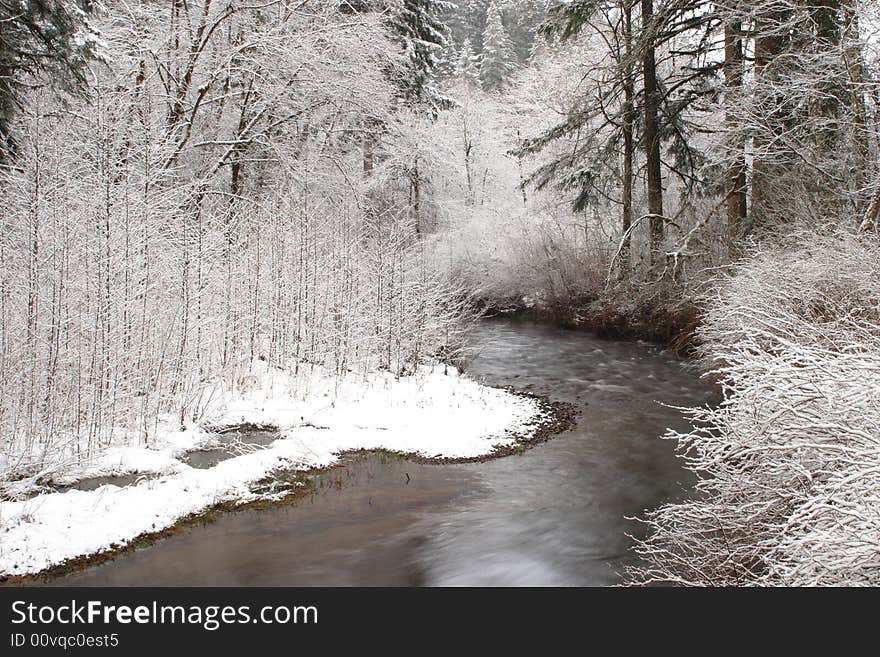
pixel 435 413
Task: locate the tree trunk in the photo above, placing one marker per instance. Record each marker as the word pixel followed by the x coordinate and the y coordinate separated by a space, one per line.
pixel 735 184
pixel 629 118
pixel 468 164
pixel 7 108
pixel 416 183
pixel 770 41
pixel 855 69
pixel 368 154
pixel 829 32
pixel 869 222
pixel 652 132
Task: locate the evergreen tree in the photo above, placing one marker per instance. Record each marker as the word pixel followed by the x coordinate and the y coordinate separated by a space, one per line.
pixel 468 64
pixel 621 117
pixel 803 92
pixel 422 35
pixel 43 42
pixel 466 19
pixel 497 58
pixel 522 18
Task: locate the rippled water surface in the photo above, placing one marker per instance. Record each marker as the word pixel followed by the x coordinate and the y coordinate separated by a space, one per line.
pixel 552 516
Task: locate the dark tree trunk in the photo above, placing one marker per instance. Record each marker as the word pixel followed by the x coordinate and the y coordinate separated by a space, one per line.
pixel 770 41
pixel 7 109
pixel 827 18
pixel 368 154
pixel 869 222
pixel 856 72
pixel 735 184
pixel 629 118
pixel 416 183
pixel 652 132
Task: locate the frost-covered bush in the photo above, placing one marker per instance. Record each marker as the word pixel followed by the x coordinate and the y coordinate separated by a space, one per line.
pixel 789 462
pixel 521 261
pixel 496 236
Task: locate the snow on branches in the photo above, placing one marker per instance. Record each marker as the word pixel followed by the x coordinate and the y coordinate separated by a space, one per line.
pixel 204 209
pixel 789 462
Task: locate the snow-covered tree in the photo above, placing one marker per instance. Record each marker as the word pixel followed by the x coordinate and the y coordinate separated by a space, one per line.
pixel 48 43
pixel 520 17
pixel 497 58
pixel 422 35
pixel 467 67
pixel 466 19
pixel 200 210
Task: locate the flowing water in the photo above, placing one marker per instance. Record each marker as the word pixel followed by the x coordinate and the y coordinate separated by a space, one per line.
pixel 555 515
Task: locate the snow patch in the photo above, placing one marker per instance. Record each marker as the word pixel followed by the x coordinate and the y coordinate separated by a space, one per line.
pixel 437 412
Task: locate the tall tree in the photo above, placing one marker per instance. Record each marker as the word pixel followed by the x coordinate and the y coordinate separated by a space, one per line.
pixel 497 57
pixel 467 65
pixel 651 136
pixel 862 167
pixel 768 117
pixel 735 189
pixel 628 123
pixel 419 30
pixel 827 33
pixel 803 110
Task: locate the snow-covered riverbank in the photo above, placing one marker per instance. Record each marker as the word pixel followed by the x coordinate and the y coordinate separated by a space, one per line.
pixel 789 461
pixel 436 413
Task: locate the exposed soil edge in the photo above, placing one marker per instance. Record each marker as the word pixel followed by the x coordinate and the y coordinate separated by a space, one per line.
pixel 557 417
pixel 671 325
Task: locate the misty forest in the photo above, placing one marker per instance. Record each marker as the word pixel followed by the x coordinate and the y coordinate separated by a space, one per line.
pixel 293 216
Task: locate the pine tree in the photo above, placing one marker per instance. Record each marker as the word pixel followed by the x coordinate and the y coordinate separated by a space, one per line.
pixel 467 67
pixel 610 126
pixel 522 18
pixel 44 42
pixel 422 35
pixel 466 19
pixel 497 57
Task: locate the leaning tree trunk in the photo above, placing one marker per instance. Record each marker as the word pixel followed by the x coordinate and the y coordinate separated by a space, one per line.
pixel 869 221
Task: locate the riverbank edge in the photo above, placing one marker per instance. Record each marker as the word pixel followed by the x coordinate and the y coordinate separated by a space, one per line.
pixel 556 418
pixel 671 326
